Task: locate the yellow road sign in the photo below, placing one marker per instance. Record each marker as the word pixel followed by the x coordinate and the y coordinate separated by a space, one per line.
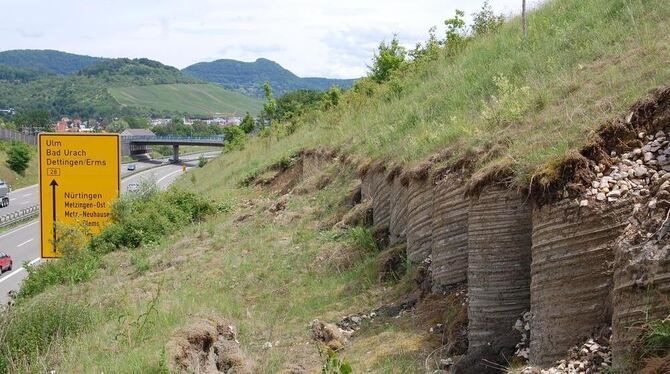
pixel 80 176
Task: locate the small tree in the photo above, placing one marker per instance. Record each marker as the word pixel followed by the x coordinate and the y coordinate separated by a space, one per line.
pixel 430 50
pixel 270 106
pixel 248 124
pixel 234 136
pixel 333 96
pixel 137 122
pixel 35 119
pixel 485 21
pixel 456 35
pixel 117 126
pixel 388 58
pixel 202 161
pixel 18 157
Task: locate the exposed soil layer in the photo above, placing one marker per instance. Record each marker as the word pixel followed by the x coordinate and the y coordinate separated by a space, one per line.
pixel 573 248
pixel 499 245
pixel 449 234
pixel 573 175
pixel 312 163
pixel 419 220
pixel 367 181
pixel 398 212
pixel 381 194
pixel 642 274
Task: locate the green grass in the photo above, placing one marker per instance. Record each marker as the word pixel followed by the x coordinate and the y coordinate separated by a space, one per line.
pixel 29 177
pixel 271 273
pixel 196 99
pixel 536 101
pixel 268 276
pixel 656 338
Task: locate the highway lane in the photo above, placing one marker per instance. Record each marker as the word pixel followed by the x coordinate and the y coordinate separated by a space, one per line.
pixel 23 243
pixel 28 196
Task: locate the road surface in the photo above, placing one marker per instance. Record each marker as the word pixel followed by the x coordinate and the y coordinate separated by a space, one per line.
pixel 23 243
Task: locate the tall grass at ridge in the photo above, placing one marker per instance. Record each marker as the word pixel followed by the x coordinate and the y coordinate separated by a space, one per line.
pixel 584 63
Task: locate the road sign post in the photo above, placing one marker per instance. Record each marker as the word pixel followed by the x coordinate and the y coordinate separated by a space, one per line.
pixel 80 177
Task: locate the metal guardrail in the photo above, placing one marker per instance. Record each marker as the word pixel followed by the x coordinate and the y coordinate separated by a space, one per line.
pixel 19 215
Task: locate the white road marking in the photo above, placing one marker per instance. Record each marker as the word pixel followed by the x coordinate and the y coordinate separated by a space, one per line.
pixel 25 202
pixel 18 270
pixel 20 228
pixel 174 172
pixel 28 194
pixel 24 243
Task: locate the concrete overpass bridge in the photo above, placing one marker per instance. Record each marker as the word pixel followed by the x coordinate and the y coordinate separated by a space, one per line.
pixel 137 144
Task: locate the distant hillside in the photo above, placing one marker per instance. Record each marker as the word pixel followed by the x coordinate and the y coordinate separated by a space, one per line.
pixel 87 93
pixel 198 99
pixel 248 77
pixel 10 73
pixel 142 71
pixel 47 61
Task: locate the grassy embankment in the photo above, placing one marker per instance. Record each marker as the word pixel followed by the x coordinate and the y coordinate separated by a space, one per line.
pixel 9 176
pixel 270 273
pixel 196 99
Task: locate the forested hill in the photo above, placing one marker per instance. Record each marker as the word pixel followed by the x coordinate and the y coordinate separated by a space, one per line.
pixel 248 77
pixel 10 73
pixel 88 92
pixel 47 61
pixel 138 72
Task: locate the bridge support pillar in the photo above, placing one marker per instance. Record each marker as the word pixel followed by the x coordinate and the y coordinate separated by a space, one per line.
pixel 175 153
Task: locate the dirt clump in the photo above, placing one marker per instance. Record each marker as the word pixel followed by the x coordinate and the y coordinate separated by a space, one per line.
pixel 657 365
pixel 279 205
pixel 392 263
pixel 329 334
pixel 207 345
pixel 360 214
pixel 353 197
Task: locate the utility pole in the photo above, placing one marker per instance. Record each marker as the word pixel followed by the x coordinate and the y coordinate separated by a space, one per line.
pixel 524 24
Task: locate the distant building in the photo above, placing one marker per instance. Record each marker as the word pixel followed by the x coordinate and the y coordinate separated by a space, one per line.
pixel 159 121
pixel 222 121
pixel 61 126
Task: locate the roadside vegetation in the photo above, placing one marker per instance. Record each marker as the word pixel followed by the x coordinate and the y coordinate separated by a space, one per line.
pixel 145 217
pixel 18 164
pixel 235 245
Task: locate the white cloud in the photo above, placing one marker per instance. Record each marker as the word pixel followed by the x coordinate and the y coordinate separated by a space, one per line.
pixel 310 38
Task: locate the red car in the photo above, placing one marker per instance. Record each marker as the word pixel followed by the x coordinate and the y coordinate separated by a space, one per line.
pixel 5 262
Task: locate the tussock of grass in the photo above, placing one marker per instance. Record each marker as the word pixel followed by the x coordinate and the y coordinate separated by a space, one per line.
pixel 656 338
pixel 29 330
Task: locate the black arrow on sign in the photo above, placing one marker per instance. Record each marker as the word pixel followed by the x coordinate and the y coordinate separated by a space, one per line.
pixel 53 185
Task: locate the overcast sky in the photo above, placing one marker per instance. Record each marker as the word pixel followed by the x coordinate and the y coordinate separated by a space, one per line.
pixel 309 37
